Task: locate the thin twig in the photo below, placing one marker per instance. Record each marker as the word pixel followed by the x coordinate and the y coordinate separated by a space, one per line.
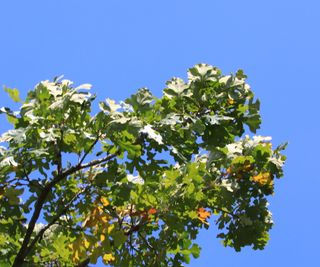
pixel 88 151
pixel 55 219
pixel 41 200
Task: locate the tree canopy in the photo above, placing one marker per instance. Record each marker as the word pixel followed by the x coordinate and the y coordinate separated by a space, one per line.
pixel 136 181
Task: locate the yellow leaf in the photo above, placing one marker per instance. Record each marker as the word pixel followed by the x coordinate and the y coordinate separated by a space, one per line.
pixel 108 258
pixel 263 178
pixel 86 243
pixel 89 222
pixel 102 237
pixel 104 201
pixel 104 219
pixel 110 228
pixel 75 256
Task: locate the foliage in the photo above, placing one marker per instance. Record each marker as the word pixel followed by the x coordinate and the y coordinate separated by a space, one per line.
pixel 134 183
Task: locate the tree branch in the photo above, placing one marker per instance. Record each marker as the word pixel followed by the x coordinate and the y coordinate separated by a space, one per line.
pixel 55 219
pixel 91 147
pixel 84 263
pixel 224 211
pixel 41 200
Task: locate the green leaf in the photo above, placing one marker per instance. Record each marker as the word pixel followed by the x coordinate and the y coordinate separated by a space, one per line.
pixel 141 190
pixel 195 251
pixel 4 263
pixel 13 93
pixel 127 143
pixel 13 195
pixel 119 238
pixel 253 122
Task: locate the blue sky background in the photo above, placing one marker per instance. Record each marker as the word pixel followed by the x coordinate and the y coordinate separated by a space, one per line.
pixel 120 46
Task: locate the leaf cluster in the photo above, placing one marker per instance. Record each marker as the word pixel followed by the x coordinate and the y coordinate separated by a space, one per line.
pixel 135 182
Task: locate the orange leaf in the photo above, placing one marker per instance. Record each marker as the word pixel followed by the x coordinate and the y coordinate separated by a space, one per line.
pixel 203 214
pixel 152 211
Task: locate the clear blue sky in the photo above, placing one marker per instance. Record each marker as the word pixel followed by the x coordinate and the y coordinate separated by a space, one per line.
pixel 120 46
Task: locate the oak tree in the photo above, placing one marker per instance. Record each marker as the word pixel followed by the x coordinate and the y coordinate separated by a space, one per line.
pixel 135 182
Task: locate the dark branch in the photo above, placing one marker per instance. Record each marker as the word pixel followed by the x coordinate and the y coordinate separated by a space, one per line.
pixel 55 219
pixel 224 211
pixel 23 252
pixel 91 147
pixel 84 263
